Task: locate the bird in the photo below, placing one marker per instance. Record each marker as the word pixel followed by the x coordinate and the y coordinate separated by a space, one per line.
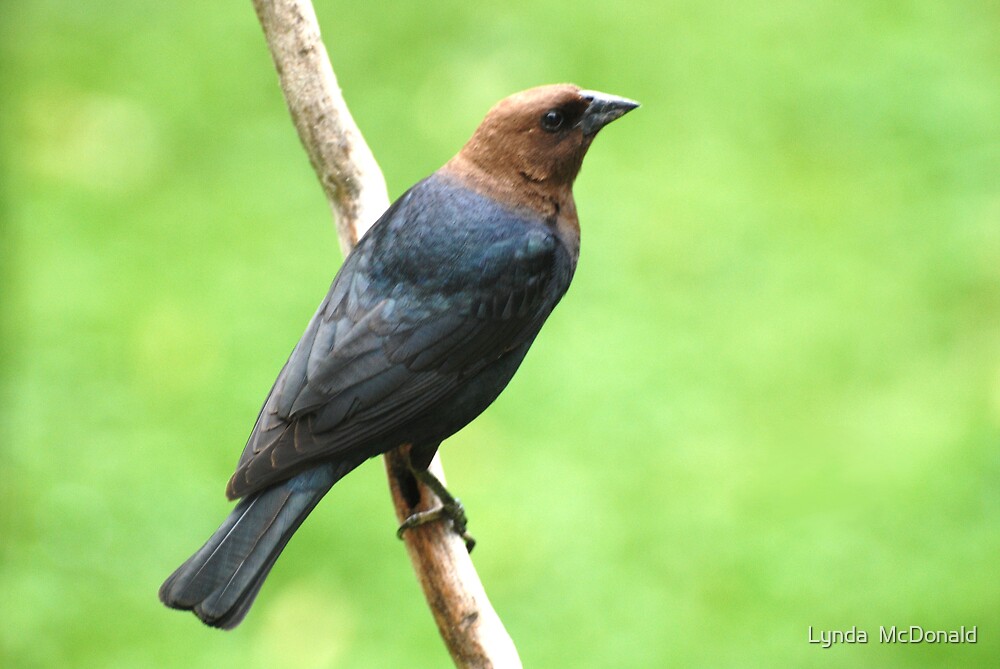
pixel 424 325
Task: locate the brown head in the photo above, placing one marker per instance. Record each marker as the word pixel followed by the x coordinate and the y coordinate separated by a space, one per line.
pixel 531 144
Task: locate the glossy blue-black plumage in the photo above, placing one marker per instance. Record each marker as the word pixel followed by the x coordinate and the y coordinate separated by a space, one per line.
pixel 423 327
pixel 446 284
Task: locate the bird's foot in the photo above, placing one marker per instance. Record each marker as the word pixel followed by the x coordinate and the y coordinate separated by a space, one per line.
pixel 451 509
pixel 455 513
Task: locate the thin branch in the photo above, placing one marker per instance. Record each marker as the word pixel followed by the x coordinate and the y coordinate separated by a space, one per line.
pixel 355 189
pixel 470 627
pixel 351 179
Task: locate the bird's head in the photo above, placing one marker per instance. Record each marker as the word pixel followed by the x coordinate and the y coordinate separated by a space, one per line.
pixel 540 136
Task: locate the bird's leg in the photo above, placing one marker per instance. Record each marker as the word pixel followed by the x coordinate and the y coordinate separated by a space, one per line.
pixel 451 508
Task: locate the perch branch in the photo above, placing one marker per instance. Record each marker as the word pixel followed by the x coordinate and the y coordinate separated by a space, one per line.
pixel 355 189
pixel 345 166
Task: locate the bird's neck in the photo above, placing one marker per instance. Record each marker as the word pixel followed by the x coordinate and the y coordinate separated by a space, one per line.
pixel 511 188
pixel 517 190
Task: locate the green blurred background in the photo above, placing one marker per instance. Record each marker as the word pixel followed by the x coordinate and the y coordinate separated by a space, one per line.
pixel 770 400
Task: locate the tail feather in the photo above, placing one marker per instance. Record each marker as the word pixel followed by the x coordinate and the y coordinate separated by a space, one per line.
pixel 221 580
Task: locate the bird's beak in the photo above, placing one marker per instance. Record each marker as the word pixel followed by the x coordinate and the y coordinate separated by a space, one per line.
pixel 603 109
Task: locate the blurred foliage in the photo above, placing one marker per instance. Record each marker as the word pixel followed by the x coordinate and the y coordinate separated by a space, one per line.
pixel 770 400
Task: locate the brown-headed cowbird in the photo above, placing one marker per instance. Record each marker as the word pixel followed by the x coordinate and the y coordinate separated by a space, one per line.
pixel 423 327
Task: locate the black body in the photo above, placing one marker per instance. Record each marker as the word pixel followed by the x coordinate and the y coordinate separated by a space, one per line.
pixel 424 325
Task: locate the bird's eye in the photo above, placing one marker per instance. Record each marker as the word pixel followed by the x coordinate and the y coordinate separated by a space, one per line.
pixel 552 120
